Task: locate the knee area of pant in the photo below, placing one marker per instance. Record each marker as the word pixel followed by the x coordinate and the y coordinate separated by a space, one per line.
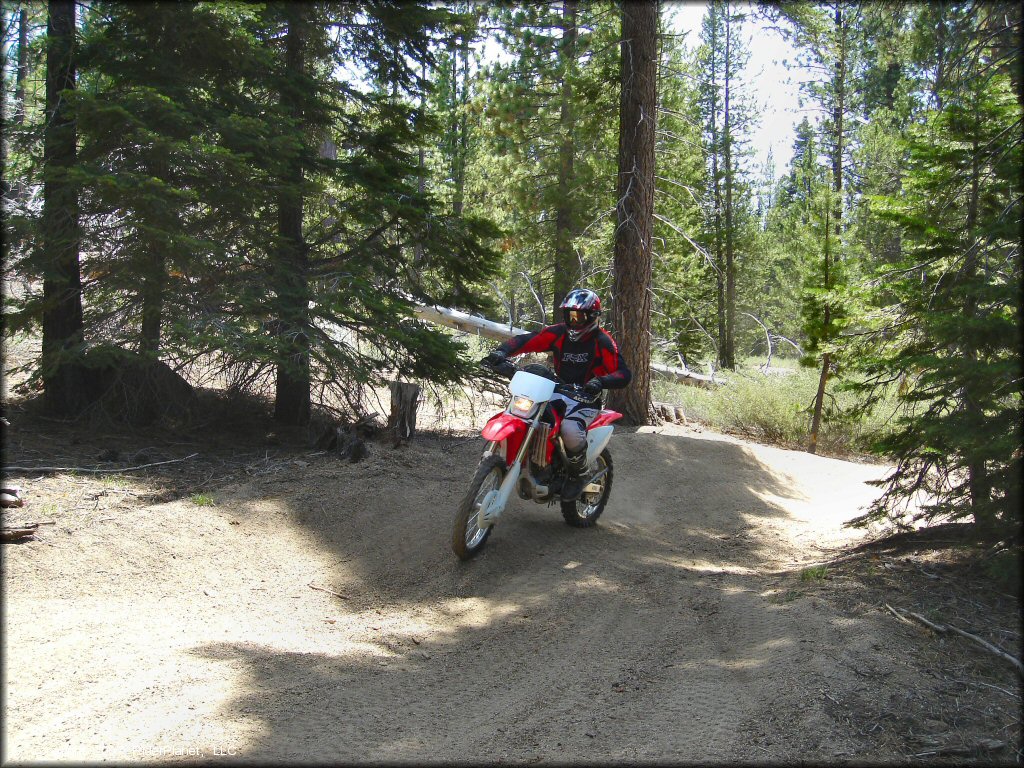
pixel 574 441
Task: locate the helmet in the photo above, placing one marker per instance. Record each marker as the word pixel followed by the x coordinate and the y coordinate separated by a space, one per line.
pixel 580 310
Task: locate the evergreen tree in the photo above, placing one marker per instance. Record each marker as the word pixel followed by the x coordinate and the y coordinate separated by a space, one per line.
pixel 547 164
pixel 216 219
pixel 58 256
pixel 155 80
pixel 726 117
pixel 631 308
pixel 371 242
pixel 950 333
pixel 684 301
pixel 791 240
pixel 827 34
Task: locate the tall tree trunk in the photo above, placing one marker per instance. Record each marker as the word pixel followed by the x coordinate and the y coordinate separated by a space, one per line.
pixel 729 342
pixel 421 175
pixel 978 481
pixel 836 215
pixel 62 281
pixel 22 75
pixel 565 264
pixel 635 206
pixel 154 276
pixel 460 125
pixel 716 188
pixel 292 400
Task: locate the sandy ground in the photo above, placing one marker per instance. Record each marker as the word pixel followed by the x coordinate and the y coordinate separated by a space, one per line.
pixel 314 612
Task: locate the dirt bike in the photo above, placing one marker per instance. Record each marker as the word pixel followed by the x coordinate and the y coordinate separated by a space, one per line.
pixel 524 453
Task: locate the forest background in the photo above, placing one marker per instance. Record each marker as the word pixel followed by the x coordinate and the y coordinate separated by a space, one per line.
pixel 261 195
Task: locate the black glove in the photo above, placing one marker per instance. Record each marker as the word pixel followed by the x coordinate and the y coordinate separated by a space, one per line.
pixel 494 359
pixel 592 389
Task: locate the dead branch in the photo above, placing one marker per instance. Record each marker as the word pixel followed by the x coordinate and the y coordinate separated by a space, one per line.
pixel 768 337
pixel 328 591
pixel 898 615
pixel 991 648
pixel 99 471
pixel 934 627
pixel 945 628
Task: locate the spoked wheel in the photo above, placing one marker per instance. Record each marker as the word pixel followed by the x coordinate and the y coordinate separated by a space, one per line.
pixel 584 511
pixel 468 537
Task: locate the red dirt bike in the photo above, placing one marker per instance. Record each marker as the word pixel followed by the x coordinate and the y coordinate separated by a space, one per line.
pixel 525 453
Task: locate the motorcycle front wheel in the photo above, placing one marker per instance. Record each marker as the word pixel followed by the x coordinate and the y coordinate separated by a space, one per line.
pixel 467 537
pixel 584 511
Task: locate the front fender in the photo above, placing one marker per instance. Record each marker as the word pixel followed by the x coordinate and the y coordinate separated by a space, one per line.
pixel 506 427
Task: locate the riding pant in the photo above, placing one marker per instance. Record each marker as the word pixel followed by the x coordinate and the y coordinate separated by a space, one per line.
pixel 577 417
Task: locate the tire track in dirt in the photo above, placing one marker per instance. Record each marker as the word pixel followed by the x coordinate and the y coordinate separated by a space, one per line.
pixel 657 636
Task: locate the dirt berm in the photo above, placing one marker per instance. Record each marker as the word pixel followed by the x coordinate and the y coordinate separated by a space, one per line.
pixel 314 612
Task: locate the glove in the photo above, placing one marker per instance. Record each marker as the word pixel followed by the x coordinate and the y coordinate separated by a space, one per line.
pixel 592 389
pixel 494 359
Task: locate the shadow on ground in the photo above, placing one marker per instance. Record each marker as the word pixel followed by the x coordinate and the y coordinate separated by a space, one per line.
pixel 651 637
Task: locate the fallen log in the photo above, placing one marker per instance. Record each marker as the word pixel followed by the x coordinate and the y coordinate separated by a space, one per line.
pixel 461 321
pixel 99 471
pixel 15 532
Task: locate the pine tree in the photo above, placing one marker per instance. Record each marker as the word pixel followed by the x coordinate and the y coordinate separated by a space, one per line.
pixel 683 302
pixel 631 309
pixel 952 337
pixel 725 116
pixel 827 34
pixel 357 241
pixel 149 164
pixel 60 234
pixel 547 163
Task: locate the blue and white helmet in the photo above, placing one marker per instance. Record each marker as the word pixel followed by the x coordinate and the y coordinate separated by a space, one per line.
pixel 581 309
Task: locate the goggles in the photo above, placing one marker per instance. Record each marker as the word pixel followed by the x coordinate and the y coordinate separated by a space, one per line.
pixel 578 318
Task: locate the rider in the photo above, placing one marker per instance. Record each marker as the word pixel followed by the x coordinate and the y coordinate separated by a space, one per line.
pixel 584 354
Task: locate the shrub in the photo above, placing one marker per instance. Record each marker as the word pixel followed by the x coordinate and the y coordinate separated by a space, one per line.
pixel 776 409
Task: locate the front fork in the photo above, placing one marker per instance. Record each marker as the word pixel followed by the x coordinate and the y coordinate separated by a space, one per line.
pixel 494 502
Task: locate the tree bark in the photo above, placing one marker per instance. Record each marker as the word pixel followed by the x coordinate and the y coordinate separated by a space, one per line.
pixel 62 280
pixel 404 404
pixel 729 341
pixel 631 309
pixel 978 482
pixel 22 76
pixel 460 124
pixel 565 270
pixel 154 276
pixel 292 397
pixel 836 216
pixel 716 186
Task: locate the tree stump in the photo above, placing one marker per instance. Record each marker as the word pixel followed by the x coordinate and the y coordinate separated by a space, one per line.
pixel 405 399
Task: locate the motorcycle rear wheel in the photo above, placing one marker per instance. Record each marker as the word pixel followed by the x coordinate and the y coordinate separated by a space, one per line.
pixel 584 511
pixel 467 537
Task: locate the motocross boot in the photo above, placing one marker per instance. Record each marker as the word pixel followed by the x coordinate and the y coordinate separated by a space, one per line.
pixel 576 475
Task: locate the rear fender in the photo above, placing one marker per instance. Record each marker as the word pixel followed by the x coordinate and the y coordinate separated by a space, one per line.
pixel 597 439
pixel 604 418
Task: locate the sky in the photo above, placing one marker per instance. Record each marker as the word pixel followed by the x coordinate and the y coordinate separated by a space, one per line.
pixel 774 88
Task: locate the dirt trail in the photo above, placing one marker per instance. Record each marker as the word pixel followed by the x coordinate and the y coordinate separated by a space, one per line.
pixel 677 630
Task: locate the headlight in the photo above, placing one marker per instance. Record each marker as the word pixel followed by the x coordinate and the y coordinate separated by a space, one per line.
pixel 522 406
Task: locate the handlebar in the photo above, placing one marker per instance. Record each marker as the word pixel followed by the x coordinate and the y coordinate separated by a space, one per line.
pixel 508 369
pixel 576 392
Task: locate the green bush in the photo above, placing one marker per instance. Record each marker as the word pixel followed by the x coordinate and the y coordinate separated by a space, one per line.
pixel 776 409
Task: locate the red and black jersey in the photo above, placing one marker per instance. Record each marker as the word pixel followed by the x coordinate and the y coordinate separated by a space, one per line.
pixel 576 362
